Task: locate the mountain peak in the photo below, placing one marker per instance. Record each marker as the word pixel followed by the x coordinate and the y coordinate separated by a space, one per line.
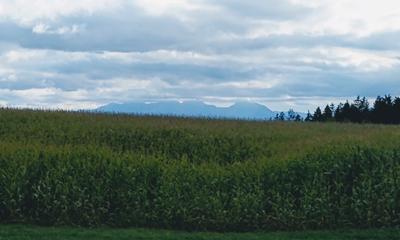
pixel 249 105
pixel 239 110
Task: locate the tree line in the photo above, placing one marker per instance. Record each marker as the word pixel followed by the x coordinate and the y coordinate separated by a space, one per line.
pixel 291 115
pixel 385 110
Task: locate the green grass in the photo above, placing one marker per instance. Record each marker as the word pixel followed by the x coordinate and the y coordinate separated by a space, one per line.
pixel 20 232
pixel 80 169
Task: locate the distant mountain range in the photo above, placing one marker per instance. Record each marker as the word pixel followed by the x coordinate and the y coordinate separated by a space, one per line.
pixel 241 110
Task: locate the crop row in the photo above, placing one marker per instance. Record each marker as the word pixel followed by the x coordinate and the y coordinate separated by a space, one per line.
pixel 95 186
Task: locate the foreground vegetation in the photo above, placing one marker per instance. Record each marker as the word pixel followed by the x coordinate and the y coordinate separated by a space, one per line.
pixel 82 169
pixel 28 233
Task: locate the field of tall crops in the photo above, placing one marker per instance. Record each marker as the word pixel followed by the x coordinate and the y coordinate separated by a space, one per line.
pixel 81 169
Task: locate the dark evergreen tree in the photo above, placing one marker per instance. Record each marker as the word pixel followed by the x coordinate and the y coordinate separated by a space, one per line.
pixel 309 117
pixel 383 110
pixel 338 115
pixel 317 117
pixel 396 110
pixel 291 115
pixel 364 109
pixel 359 110
pixel 282 116
pixel 327 115
pixel 346 112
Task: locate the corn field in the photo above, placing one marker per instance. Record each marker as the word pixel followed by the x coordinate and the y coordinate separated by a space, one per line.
pixel 86 169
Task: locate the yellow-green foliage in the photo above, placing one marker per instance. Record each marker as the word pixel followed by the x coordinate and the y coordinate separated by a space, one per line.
pixel 59 168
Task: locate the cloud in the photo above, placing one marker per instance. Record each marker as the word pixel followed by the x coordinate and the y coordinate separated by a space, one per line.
pixel 45 29
pixel 289 52
pixel 29 12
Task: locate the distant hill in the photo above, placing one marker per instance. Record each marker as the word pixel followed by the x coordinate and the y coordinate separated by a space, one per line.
pixel 241 110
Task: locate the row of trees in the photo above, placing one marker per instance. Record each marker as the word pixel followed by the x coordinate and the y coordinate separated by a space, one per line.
pixel 384 110
pixel 290 116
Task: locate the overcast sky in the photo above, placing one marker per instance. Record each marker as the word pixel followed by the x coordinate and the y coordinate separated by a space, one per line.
pixel 282 53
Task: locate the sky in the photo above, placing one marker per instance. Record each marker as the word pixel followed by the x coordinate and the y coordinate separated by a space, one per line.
pixel 81 54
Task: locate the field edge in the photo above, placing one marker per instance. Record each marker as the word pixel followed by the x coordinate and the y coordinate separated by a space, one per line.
pixel 28 232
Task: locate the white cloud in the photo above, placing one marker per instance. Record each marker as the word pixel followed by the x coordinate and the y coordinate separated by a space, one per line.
pixel 48 98
pixel 160 7
pixel 46 29
pixel 35 57
pixel 252 84
pixel 360 60
pixel 40 28
pixel 273 72
pixel 333 17
pixel 288 52
pixel 359 17
pixel 157 56
pixel 28 12
pixel 328 16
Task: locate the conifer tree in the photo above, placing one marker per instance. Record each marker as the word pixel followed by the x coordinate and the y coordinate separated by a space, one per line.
pixel 309 117
pixel 317 117
pixel 327 115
